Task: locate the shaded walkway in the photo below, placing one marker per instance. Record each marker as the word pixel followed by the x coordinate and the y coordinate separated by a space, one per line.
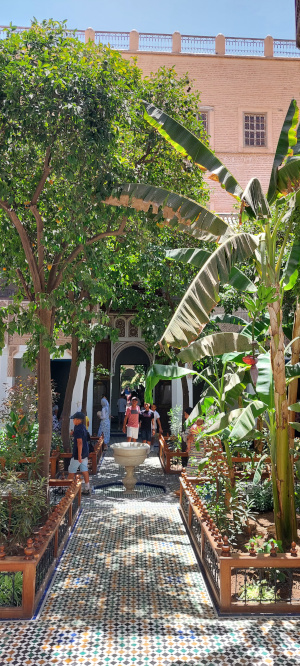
pixel 129 592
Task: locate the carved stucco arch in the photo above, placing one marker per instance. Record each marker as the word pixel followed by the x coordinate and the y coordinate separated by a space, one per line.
pixel 119 347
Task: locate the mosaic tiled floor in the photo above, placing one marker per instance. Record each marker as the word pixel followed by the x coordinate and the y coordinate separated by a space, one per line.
pixel 129 592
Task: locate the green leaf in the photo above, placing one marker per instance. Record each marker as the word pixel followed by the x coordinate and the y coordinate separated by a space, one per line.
pixel 295 425
pixel 265 384
pixel 159 372
pixel 287 139
pixel 288 177
pixel 259 470
pixel 222 422
pixel 295 407
pixel 197 258
pixel 188 145
pixel 202 296
pixel 292 371
pixel 255 198
pixel 189 255
pixel 215 345
pixel 177 211
pixel 246 420
pixel 290 272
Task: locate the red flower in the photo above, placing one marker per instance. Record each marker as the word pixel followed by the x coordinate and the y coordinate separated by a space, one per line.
pixel 249 360
pixel 13 436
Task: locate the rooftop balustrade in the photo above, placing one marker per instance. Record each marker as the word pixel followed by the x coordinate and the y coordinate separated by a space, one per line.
pixel 142 42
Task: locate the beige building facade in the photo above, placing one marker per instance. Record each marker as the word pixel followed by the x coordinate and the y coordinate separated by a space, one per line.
pixel 244 99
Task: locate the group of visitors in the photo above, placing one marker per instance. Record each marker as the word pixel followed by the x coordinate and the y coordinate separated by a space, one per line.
pixel 144 420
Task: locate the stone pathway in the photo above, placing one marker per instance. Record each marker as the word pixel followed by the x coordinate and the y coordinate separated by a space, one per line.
pixel 128 592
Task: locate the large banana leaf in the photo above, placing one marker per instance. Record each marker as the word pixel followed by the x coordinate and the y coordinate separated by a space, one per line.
pixel 288 176
pixel 176 210
pixel 157 372
pixel 201 297
pixel 235 386
pixel 246 420
pixel 287 139
pixel 255 198
pixel 215 345
pixel 265 384
pixel 188 145
pixel 222 422
pixel 197 258
pixel 290 272
pixel 292 371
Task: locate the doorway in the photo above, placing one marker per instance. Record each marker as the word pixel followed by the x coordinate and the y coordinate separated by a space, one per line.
pixel 60 370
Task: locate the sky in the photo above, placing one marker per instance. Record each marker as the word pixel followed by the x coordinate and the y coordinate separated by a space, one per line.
pixel 234 18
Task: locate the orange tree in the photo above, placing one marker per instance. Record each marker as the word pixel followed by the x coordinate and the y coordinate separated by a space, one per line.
pixel 69 131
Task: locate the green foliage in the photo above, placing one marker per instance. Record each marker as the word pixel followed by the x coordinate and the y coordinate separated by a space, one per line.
pixel 233 519
pixel 260 494
pixel 11 589
pixel 22 513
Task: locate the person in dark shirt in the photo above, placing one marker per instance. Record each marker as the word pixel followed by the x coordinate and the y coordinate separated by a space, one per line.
pixel 80 451
pixel 147 424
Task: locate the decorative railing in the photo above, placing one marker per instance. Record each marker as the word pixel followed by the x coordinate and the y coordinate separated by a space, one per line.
pixel 186 44
pixel 116 40
pixel 195 44
pixel 153 42
pixel 286 48
pixel 23 578
pixel 240 582
pixel 244 46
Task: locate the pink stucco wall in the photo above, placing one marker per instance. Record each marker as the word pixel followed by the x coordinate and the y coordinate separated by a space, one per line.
pixel 231 86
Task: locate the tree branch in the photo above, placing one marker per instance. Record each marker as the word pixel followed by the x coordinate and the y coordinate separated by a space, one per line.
pixel 24 284
pixel 80 248
pixel 25 243
pixel 45 174
pixel 40 246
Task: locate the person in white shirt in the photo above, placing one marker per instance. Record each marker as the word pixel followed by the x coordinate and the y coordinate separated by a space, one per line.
pixel 156 422
pixel 122 405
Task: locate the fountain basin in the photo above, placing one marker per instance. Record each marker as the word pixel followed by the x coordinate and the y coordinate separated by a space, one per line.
pixel 130 455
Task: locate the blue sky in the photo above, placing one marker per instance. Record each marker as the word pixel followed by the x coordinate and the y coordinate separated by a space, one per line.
pixel 234 18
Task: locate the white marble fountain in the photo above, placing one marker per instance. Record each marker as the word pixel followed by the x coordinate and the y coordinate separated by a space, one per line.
pixel 130 455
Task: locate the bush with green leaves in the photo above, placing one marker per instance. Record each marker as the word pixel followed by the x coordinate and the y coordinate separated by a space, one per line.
pixel 22 509
pixel 261 495
pixel 11 588
pixel 233 519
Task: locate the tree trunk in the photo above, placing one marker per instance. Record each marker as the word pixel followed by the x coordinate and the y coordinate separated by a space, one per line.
pixel 282 472
pixel 185 389
pixel 66 413
pixel 88 364
pixel 44 398
pixel 293 387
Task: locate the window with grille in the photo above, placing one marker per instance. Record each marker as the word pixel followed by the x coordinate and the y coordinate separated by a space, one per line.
pixel 255 129
pixel 204 117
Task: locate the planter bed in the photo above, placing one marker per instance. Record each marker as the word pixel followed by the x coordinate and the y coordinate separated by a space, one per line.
pixel 23 579
pixel 168 456
pixel 239 582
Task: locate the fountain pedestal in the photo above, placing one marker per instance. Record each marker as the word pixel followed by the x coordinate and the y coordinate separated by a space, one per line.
pixel 130 455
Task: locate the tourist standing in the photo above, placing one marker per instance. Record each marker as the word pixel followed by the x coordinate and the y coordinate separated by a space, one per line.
pixel 156 422
pixel 122 404
pixel 147 424
pixel 80 451
pixel 104 427
pixel 132 419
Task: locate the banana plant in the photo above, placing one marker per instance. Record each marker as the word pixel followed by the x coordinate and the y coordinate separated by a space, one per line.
pixel 233 246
